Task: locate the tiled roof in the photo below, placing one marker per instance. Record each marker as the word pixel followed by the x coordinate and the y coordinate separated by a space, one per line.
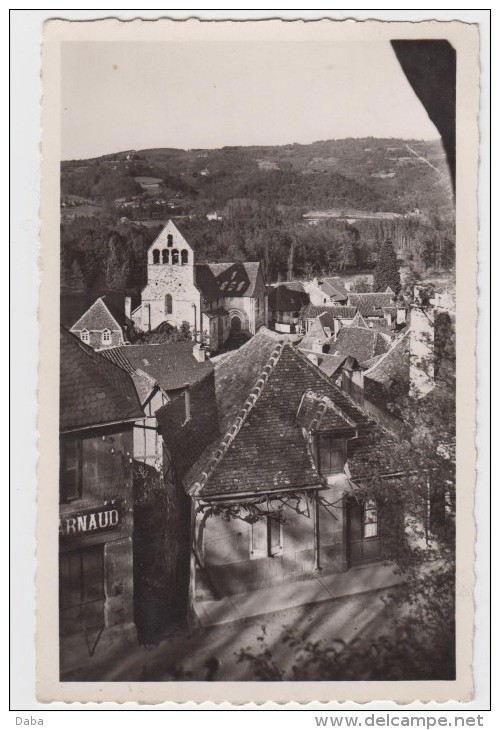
pixel 334 287
pixel 289 297
pixel 144 385
pixel 99 316
pixel 236 279
pixel 330 364
pixel 374 453
pixel 316 334
pixel 359 342
pixel 171 364
pixel 206 282
pixel 236 374
pixel 263 449
pixel 187 440
pixel 93 390
pixel 342 312
pixel 319 413
pixel 389 377
pixel 358 321
pixel 118 356
pixel 371 304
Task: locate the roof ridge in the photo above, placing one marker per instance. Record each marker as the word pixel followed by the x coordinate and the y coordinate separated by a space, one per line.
pixel 396 342
pixel 328 380
pixel 234 429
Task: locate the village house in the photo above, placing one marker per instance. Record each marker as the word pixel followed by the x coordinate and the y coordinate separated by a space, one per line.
pixel 285 304
pixel 160 372
pixel 214 300
pixel 330 290
pixel 379 309
pixel 328 345
pixel 338 315
pixel 273 479
pixel 104 325
pixel 98 409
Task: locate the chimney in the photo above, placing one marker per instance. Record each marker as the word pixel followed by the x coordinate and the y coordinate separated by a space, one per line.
pixel 337 324
pixel 401 315
pixel 187 403
pixel 128 307
pixel 421 350
pixel 199 353
pixel 347 285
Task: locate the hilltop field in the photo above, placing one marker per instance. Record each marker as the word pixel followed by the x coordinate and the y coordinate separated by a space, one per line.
pixel 321 208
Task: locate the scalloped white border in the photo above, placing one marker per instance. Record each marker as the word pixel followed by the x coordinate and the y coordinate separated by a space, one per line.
pixel 464 38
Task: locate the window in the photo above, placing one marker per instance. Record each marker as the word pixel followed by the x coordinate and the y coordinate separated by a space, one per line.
pixel 266 540
pixel 164 256
pixel 170 240
pixel 168 304
pixel 175 256
pixel 70 474
pixel 106 337
pixel 370 519
pixel 331 453
pixel 156 256
pixel 85 336
pixel 184 256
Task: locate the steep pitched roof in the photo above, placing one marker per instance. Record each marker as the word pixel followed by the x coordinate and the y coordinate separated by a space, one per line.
pixel 319 413
pixel 358 321
pixel 334 287
pixel 236 279
pixel 170 364
pixel 263 449
pixel 360 342
pixel 99 316
pixel 371 304
pixel 206 282
pixel 93 390
pixel 340 311
pixel 389 377
pixel 289 297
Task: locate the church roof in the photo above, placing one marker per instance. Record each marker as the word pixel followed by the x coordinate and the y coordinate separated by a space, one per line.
pixel 227 279
pixel 236 279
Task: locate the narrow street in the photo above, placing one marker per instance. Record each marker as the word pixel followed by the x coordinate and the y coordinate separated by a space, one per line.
pixel 211 653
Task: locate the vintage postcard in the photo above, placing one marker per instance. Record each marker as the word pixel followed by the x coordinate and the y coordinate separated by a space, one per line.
pixel 258 303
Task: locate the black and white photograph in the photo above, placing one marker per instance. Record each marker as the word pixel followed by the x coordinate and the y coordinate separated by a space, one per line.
pixel 257 357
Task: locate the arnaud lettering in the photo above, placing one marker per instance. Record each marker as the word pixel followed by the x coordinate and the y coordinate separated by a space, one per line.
pixel 88 522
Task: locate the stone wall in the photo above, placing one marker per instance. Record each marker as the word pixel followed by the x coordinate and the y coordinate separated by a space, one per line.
pixel 225 548
pixel 178 281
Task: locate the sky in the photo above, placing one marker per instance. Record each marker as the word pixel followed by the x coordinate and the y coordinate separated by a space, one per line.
pixel 135 95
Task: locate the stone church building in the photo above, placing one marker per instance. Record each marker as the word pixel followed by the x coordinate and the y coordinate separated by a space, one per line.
pixel 214 299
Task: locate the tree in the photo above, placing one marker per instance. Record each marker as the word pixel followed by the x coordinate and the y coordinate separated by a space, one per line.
pixel 387 270
pixel 72 279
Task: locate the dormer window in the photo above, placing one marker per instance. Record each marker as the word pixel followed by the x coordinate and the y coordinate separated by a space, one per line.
pixel 331 453
pixel 85 336
pixel 106 337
